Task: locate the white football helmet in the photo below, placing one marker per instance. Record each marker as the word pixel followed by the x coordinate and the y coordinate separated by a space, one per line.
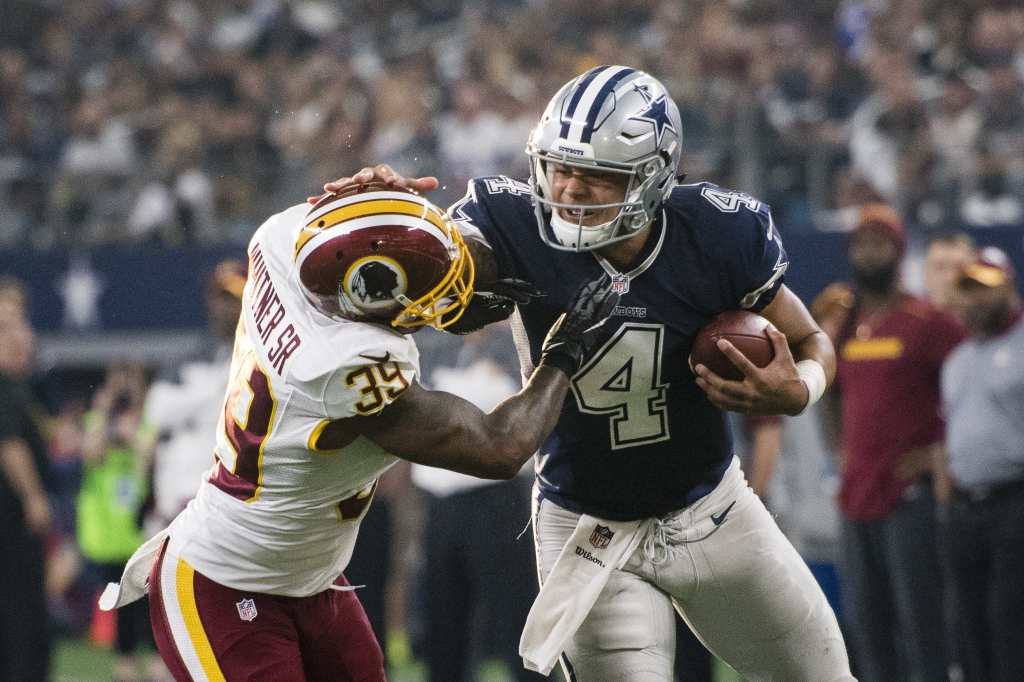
pixel 614 119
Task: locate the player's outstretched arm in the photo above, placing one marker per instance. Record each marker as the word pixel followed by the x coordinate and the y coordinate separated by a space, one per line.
pixel 780 387
pixel 442 430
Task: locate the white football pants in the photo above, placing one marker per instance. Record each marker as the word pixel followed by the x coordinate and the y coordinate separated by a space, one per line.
pixel 738 583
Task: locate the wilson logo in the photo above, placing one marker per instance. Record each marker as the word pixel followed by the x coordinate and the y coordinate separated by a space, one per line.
pixel 588 556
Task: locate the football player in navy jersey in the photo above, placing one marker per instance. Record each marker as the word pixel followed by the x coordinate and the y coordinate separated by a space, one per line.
pixel 638 483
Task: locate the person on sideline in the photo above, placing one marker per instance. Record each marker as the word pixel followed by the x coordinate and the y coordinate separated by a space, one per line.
pixel 983 401
pixel 891 346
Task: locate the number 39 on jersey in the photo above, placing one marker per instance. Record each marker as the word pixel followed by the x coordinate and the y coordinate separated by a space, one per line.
pixel 623 381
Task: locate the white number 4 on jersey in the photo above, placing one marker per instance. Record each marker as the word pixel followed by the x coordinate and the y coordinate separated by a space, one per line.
pixel 623 381
pixel 729 201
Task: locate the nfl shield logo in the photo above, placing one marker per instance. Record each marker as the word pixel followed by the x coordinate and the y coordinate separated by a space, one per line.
pixel 601 536
pixel 620 284
pixel 246 609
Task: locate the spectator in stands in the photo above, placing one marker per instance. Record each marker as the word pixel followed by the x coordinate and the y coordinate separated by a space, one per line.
pixel 274 95
pixel 25 512
pixel 890 141
pixel 178 207
pixel 993 203
pixel 404 104
pixel 890 346
pixel 983 401
pixel 116 457
pixel 946 256
pixel 1002 132
pixel 955 133
pixel 476 138
pixel 94 171
pixel 995 36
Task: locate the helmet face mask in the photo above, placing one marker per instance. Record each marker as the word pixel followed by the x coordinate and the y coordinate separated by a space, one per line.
pixel 611 119
pixel 383 255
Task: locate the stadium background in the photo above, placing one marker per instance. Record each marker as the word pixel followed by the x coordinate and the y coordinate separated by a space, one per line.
pixel 142 141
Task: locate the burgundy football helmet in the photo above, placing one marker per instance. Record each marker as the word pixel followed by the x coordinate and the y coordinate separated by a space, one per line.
pixel 375 253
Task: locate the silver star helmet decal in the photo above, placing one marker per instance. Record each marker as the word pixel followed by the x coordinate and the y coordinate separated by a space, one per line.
pixel 656 114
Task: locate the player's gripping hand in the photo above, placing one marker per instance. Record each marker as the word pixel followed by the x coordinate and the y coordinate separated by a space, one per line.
pixel 382 173
pixel 493 302
pixel 577 331
pixel 774 389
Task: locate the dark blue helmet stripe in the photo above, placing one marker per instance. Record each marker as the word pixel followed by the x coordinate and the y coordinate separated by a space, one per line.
pixel 585 80
pixel 595 108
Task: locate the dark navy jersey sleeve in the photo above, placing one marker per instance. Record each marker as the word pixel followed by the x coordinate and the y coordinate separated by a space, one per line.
pixel 736 230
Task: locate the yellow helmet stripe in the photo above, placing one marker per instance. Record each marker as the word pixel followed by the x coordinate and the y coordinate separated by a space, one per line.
pixel 370 207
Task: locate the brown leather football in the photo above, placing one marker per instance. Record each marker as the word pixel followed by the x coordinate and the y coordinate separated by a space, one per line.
pixel 746 331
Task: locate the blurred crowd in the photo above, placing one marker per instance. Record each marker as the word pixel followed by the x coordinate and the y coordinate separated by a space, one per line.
pixel 179 121
pixel 186 120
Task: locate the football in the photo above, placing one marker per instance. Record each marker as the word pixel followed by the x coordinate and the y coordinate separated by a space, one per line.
pixel 746 331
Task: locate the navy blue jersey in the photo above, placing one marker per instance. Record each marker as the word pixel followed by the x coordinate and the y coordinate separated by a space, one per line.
pixel 636 436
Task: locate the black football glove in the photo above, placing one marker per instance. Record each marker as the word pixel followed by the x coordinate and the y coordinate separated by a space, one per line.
pixel 493 302
pixel 576 332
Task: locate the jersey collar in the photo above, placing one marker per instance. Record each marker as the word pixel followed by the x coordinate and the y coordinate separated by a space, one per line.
pixel 646 262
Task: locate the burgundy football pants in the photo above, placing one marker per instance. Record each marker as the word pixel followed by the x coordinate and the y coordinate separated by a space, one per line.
pixel 206 631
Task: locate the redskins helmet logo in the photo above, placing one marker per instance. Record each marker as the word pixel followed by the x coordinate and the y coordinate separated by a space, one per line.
pixel 375 282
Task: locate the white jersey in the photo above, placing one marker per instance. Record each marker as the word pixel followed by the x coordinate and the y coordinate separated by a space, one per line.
pixel 276 515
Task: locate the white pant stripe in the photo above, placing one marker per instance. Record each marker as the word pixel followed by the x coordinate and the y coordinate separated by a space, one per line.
pixel 179 631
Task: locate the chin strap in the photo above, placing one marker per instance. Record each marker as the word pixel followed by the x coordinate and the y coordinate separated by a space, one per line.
pixel 579 231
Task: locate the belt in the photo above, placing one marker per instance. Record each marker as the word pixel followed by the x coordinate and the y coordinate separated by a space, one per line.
pixel 991 491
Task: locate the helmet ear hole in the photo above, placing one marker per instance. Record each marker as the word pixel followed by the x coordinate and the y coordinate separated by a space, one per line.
pixel 652 167
pixel 339 256
pixel 374 245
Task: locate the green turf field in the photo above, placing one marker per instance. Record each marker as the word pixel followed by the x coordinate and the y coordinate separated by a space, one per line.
pixel 76 660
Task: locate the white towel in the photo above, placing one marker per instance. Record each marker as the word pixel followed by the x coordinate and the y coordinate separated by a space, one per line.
pixel 595 549
pixel 135 579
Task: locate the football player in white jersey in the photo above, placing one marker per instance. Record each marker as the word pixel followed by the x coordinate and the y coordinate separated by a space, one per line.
pixel 247 583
